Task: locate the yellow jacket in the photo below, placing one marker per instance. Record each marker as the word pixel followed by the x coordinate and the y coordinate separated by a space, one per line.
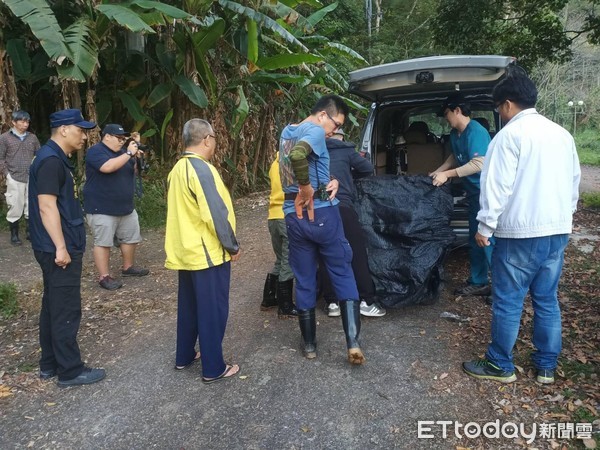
pixel 276 197
pixel 200 219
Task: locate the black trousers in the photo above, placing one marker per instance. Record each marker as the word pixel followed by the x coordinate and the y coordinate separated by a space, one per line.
pixel 360 261
pixel 60 315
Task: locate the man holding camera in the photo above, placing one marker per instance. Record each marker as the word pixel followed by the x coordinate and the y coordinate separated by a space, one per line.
pixel 108 202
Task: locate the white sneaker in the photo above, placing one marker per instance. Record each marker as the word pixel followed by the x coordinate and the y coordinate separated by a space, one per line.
pixel 371 310
pixel 333 310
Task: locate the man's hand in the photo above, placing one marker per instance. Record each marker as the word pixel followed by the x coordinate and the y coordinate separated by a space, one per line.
pixel 236 257
pixel 305 194
pixel 133 148
pixel 481 240
pixel 62 259
pixel 332 187
pixel 439 178
pixel 304 199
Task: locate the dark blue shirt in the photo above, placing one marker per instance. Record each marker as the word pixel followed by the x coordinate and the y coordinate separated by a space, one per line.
pixel 51 173
pixel 345 164
pixel 107 193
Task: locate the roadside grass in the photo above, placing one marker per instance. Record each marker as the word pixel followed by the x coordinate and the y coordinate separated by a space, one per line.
pixel 9 305
pixel 591 199
pixel 3 211
pixel 152 205
pixel 588 146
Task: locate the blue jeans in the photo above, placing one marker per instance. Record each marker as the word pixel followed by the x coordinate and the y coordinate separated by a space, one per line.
pixel 518 266
pixel 480 257
pixel 325 237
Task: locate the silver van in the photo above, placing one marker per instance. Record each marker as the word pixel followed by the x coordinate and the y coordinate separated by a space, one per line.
pixel 404 133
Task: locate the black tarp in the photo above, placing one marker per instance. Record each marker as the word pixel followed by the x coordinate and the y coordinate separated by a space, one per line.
pixel 407 225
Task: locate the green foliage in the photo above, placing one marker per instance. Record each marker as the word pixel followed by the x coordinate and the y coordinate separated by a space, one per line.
pixel 79 38
pixel 43 24
pixel 591 199
pixel 152 206
pixel 531 30
pixel 588 146
pixel 8 299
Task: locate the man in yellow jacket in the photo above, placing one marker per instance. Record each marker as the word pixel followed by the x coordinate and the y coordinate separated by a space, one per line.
pixel 280 280
pixel 200 242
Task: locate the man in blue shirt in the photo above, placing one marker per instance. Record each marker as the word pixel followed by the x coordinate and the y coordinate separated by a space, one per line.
pixel 313 222
pixel 469 142
pixel 108 202
pixel 58 241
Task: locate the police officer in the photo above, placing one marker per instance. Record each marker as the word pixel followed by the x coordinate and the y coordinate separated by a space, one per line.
pixel 58 241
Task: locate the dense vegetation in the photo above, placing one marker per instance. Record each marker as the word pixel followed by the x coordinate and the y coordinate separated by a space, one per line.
pixel 253 65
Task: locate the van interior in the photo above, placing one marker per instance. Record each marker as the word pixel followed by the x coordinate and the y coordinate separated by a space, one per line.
pixel 416 141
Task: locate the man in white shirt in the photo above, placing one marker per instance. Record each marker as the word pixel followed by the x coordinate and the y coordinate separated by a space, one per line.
pixel 529 192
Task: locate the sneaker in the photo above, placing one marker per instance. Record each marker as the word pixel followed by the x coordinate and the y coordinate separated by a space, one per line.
pixel 371 310
pixel 486 370
pixel 134 271
pixel 545 376
pixel 474 289
pixel 333 310
pixel 110 283
pixel 47 374
pixel 87 376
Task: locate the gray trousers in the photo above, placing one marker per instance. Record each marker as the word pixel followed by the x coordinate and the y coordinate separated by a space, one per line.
pixel 279 241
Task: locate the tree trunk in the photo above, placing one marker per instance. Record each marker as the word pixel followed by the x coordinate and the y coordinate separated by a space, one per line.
pixel 71 98
pixel 9 100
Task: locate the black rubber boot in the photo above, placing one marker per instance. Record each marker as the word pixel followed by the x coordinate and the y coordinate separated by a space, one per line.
pixel 308 328
pixel 27 236
pixel 284 299
pixel 351 321
pixel 14 233
pixel 269 293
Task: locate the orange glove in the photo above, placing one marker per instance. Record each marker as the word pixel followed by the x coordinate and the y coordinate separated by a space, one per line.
pixel 304 199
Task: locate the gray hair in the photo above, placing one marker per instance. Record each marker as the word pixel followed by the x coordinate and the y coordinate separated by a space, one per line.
pixel 194 131
pixel 20 115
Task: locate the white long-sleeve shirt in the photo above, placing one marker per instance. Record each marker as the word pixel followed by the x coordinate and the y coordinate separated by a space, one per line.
pixel 530 180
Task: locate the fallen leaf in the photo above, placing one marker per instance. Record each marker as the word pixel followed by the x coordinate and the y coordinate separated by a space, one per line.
pixel 243 377
pixel 305 429
pixel 444 375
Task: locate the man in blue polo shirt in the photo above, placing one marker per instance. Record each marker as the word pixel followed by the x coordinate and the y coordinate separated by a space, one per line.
pixel 469 142
pixel 108 202
pixel 313 222
pixel 58 241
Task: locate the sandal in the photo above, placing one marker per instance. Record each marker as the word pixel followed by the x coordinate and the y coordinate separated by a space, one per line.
pixel 196 358
pixel 230 371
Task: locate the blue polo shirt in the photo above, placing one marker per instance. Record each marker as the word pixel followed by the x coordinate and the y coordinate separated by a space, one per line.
pixel 107 193
pixel 318 161
pixel 51 173
pixel 472 142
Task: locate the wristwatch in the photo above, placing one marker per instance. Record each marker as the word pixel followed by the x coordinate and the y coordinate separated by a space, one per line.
pixel 128 152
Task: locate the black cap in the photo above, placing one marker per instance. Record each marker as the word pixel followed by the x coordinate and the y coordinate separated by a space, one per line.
pixel 452 102
pixel 114 129
pixel 69 117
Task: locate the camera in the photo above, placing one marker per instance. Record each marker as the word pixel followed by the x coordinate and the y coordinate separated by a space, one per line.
pixel 322 193
pixel 140 158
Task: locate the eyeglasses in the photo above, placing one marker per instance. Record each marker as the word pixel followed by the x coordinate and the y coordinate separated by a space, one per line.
pixel 336 123
pixel 498 105
pixel 212 136
pixel 119 138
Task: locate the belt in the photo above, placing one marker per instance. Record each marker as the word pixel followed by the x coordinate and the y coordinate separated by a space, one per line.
pixel 293 195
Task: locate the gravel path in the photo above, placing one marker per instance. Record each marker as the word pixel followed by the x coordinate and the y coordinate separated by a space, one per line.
pixel 590 179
